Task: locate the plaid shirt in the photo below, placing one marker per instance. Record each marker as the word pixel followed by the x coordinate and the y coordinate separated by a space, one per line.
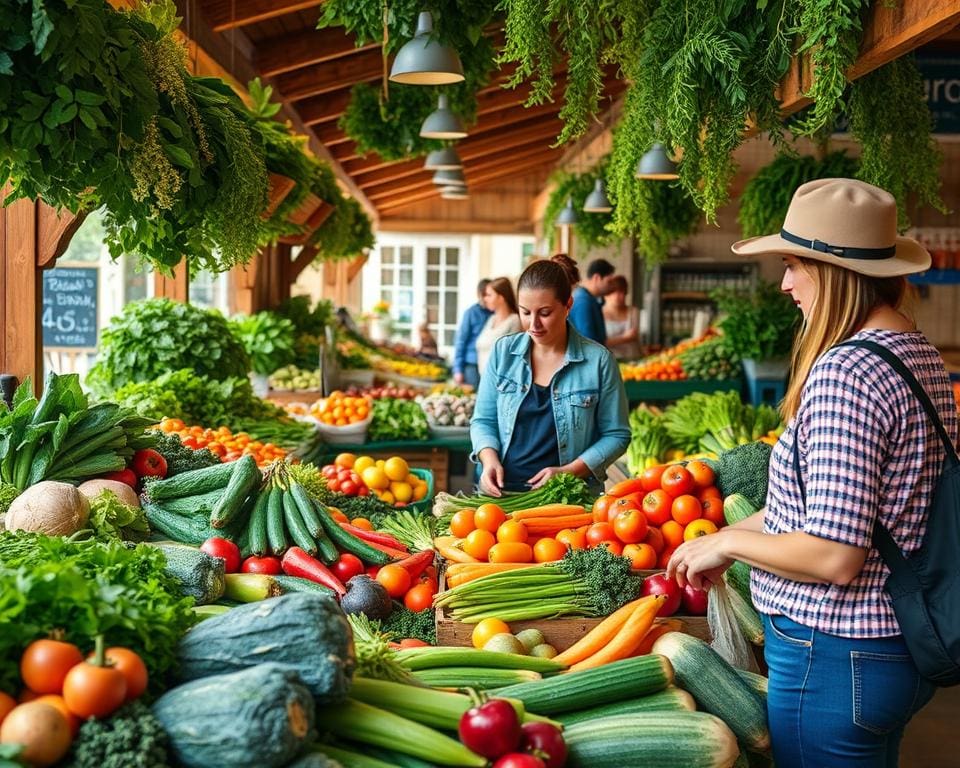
pixel 866 448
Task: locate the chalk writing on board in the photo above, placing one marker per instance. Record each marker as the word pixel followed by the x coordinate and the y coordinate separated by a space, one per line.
pixel 69 316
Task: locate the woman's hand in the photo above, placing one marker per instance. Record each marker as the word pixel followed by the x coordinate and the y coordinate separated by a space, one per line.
pixel 491 478
pixel 458 378
pixel 543 475
pixel 700 562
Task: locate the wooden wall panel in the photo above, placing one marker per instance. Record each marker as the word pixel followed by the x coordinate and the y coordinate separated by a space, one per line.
pixel 22 350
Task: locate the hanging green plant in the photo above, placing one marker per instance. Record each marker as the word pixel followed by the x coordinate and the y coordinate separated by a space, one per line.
pixel 890 118
pixel 345 234
pixel 591 228
pixel 766 197
pixel 390 124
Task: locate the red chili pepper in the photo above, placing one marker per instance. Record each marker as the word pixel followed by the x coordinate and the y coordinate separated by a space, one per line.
pixel 296 562
pixel 374 536
pixel 396 554
pixel 418 563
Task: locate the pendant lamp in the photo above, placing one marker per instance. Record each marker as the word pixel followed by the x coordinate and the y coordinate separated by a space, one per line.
pixel 597 201
pixel 454 193
pixel 445 159
pixel 656 165
pixel 425 61
pixel 442 123
pixel 452 178
pixel 568 215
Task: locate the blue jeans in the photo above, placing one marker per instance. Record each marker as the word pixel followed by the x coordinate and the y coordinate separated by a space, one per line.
pixel 838 702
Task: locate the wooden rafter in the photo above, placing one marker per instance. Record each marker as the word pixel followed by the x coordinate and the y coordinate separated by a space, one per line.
pixel 222 15
pixel 330 134
pixel 326 108
pixel 303 49
pixel 330 76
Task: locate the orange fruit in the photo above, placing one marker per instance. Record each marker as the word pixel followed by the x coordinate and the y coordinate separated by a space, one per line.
pixel 672 534
pixel 478 543
pixel 643 557
pixel 546 550
pixel 703 474
pixel 489 517
pixel 486 629
pixel 395 579
pixel 512 531
pixel 510 552
pixel 685 509
pixel 573 539
pixel 461 525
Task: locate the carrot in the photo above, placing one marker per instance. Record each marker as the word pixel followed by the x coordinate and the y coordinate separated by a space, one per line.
pixel 548 510
pixel 660 627
pixel 599 636
pixel 544 525
pixel 628 638
pixel 626 486
pixel 446 546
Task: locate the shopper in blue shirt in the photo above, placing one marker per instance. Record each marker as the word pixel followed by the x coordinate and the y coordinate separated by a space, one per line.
pixel 587 311
pixel 465 345
pixel 550 401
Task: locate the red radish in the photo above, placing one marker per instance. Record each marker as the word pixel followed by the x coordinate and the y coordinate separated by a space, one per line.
pixel 226 550
pixel 545 741
pixel 267 565
pixel 149 463
pixel 296 562
pixel 659 584
pixel 492 729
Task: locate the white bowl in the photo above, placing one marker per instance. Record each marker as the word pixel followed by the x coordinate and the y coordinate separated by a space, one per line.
pixel 351 434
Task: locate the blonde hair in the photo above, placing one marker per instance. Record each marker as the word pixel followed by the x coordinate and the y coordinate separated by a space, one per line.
pixel 844 301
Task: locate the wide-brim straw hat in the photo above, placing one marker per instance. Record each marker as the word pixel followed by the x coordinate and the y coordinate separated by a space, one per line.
pixel 844 222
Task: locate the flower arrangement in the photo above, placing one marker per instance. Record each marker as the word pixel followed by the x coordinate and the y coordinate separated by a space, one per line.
pixel 381 308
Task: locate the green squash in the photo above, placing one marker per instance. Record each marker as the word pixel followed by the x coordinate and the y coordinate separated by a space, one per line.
pixel 305 631
pixel 262 716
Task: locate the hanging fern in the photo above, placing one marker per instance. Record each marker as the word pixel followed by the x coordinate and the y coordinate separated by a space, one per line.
pixel 591 228
pixel 766 197
pixel 890 118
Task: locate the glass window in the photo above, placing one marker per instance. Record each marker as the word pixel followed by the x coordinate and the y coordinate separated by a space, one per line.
pixel 386 276
pixel 450 309
pixel 406 277
pixel 406 254
pixel 453 257
pixel 433 256
pixel 449 337
pixel 433 277
pixel 386 254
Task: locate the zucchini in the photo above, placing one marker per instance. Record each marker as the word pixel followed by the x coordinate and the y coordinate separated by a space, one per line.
pixel 295 525
pixel 483 678
pixel 737 576
pixel 619 680
pixel 315 760
pixel 246 476
pixel 296 584
pixel 748 620
pixel 717 687
pixel 662 739
pixel 737 507
pixel 191 483
pixel 670 698
pixel 349 542
pixel 758 683
pixel 182 529
pixel 251 587
pixel 201 576
pixel 276 530
pixel 397 759
pixel 447 656
pixel 257 527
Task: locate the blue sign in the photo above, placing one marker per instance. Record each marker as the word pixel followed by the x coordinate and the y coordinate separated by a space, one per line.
pixel 941 86
pixel 70 307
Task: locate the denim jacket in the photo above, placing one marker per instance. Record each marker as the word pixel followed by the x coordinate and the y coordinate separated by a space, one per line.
pixel 589 401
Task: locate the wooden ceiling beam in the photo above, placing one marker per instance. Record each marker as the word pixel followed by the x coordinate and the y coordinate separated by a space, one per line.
pixel 330 76
pixel 286 53
pixel 323 109
pixel 330 134
pixel 222 15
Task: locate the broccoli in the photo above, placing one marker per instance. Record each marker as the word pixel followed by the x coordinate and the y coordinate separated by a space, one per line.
pixel 130 738
pixel 403 623
pixel 744 470
pixel 180 458
pixel 607 577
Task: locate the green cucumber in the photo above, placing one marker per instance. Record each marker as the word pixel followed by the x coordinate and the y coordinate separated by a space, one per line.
pixel 244 479
pixel 295 525
pixel 670 698
pixel 349 542
pixel 191 483
pixel 179 528
pixel 192 506
pixel 276 530
pixel 257 529
pixel 296 584
pixel 307 511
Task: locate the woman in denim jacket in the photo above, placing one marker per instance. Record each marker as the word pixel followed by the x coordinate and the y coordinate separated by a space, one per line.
pixel 551 400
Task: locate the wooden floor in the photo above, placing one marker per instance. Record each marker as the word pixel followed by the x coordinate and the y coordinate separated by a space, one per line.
pixel 932 739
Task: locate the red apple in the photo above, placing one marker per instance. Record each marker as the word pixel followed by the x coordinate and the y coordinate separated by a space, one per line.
pixel 659 584
pixel 694 601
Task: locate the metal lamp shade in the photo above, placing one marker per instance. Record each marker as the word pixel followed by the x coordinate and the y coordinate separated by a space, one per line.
pixel 442 123
pixel 597 201
pixel 452 178
pixel 445 159
pixel 454 193
pixel 568 215
pixel 656 165
pixel 424 61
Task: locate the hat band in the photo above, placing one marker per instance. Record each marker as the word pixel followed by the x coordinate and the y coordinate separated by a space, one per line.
pixel 844 252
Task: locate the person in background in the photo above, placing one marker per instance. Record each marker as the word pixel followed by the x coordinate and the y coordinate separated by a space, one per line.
pixel 550 401
pixel 500 301
pixel 428 344
pixel 858 449
pixel 465 345
pixel 621 321
pixel 586 314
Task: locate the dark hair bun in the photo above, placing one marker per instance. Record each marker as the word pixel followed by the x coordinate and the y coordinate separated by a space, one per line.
pixel 569 266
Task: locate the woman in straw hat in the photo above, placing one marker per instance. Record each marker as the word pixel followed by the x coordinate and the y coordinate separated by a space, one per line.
pixel 842 682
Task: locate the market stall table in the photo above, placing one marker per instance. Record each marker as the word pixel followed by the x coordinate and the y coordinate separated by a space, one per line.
pixel 647 391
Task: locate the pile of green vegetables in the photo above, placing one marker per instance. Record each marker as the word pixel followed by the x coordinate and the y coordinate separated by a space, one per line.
pixel 586 582
pixel 61 437
pixel 711 360
pixel 397 419
pixel 85 589
pixel 267 338
pixel 181 459
pixel 649 440
pixel 758 324
pixel 562 488
pixel 131 736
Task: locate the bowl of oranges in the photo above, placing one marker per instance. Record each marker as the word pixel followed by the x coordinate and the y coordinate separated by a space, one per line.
pixel 343 418
pixel 395 482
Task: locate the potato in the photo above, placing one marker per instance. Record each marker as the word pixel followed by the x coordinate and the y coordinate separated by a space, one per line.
pixel 41 729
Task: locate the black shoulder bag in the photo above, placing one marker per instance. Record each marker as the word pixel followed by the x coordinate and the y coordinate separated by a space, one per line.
pixel 924 587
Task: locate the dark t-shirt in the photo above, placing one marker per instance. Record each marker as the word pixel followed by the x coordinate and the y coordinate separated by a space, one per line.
pixel 534 444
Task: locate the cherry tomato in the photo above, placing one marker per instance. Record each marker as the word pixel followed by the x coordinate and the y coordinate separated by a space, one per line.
pixel 226 550
pixel 419 598
pixel 334 485
pixel 347 566
pixel 348 487
pixel 268 565
pixel 149 463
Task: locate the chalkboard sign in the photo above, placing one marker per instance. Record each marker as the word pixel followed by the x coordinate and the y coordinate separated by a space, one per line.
pixel 70 307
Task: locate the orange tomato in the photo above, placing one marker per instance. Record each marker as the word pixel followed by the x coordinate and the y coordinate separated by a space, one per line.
pixel 132 668
pixel 656 506
pixel 462 523
pixel 685 509
pixel 546 550
pixel 643 557
pixel 710 490
pixel 92 691
pixel 512 531
pixel 7 703
pixel 573 539
pixel 702 473
pixel 489 517
pixel 630 526
pixel 362 523
pixel 621 505
pixel 601 507
pixel 613 545
pixel 510 552
pixel 478 543
pixel 599 532
pixel 650 477
pixel 712 510
pixel 698 528
pixel 45 663
pixel 395 579
pixel 677 481
pixel 672 533
pixel 419 598
pixel 655 539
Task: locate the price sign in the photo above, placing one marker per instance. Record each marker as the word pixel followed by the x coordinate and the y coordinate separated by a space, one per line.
pixel 70 307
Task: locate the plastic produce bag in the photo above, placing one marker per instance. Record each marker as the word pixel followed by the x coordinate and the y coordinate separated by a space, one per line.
pixel 728 639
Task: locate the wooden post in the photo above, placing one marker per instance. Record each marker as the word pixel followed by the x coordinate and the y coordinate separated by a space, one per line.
pixel 176 287
pixel 21 349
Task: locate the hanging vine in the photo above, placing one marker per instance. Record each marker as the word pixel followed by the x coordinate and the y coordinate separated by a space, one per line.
pixel 591 228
